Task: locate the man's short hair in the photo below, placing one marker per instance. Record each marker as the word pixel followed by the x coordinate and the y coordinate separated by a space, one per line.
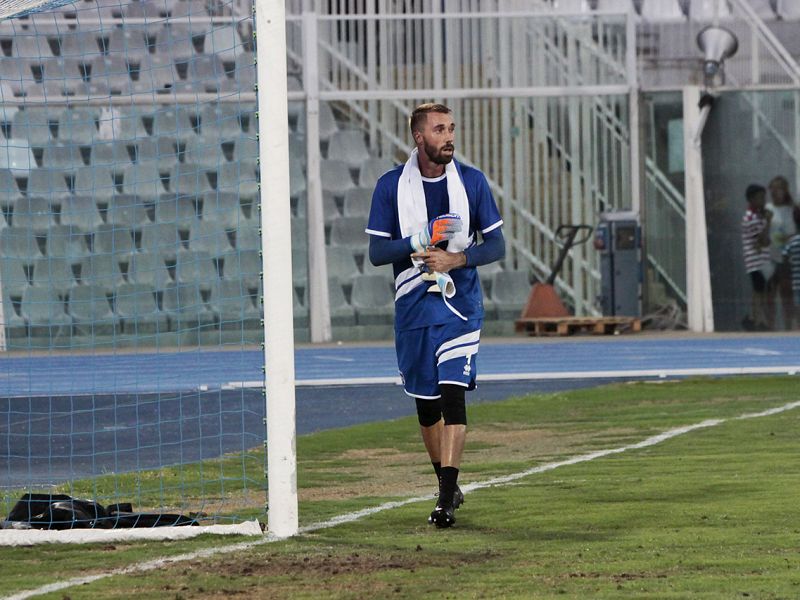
pixel 754 190
pixel 420 114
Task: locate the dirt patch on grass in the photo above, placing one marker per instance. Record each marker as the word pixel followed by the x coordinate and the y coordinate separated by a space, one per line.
pixel 392 473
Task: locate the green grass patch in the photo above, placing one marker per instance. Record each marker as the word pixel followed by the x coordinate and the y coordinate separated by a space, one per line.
pixel 706 515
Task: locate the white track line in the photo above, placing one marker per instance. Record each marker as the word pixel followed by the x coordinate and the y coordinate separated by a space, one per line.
pixel 360 514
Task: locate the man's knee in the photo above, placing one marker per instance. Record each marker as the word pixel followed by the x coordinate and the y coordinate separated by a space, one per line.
pixel 429 412
pixel 453 404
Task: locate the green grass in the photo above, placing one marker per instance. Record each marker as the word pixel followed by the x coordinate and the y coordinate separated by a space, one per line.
pixel 711 514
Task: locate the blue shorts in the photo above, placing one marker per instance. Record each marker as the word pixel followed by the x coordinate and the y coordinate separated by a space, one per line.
pixel 430 356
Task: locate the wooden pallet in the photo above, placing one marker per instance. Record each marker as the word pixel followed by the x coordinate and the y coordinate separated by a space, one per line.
pixel 573 325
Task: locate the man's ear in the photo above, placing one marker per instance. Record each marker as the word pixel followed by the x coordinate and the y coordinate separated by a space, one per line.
pixel 417 137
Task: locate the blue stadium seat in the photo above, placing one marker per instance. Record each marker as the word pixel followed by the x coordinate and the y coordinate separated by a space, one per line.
pixel 129 41
pixel 91 311
pixel 248 237
pixel 135 306
pixel 112 72
pixel 174 41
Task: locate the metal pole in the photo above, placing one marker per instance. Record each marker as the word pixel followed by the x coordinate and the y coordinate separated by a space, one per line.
pixel 276 248
pixel 633 114
pixel 319 311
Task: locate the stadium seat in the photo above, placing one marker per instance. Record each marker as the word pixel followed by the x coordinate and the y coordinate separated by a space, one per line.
pixel 371 170
pixel 209 237
pixel 162 150
pixel 129 41
pixel 510 291
pixel 179 211
pixel 174 41
pixel 204 152
pixel 244 73
pixel 79 42
pixel 96 182
pixel 111 155
pixel 245 149
pixel 108 239
pixel 330 209
pixel 373 300
pixel 126 210
pixel 349 232
pixel 233 306
pixel 195 267
pixel 357 202
pixel 62 158
pixel 335 176
pixel 191 8
pixel 150 269
pixel 30 45
pixel 19 242
pixel 486 275
pixel 189 180
pixel 238 178
pixel 704 10
pixel 248 237
pixel 113 73
pixel 572 6
pixel 174 123
pixel 153 11
pixel 48 184
pixel 384 271
pixel 204 73
pixel 9 192
pixel 33 213
pixel 221 121
pixel 764 8
pixel 53 273
pixel 102 270
pixel 341 264
pixel 245 266
pixel 34 126
pixel 126 122
pixel 185 307
pixel 223 208
pixel 160 238
pixel 349 145
pixel 223 41
pixel 44 312
pixel 143 180
pixel 80 212
pixel 789 10
pixel 157 74
pixel 300 310
pixel 135 306
pixel 91 311
pixel 620 6
pixel 327 122
pixel 16 155
pixel 342 313
pixel 14 276
pixel 67 242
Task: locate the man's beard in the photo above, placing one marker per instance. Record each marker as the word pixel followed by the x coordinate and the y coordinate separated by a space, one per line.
pixel 436 156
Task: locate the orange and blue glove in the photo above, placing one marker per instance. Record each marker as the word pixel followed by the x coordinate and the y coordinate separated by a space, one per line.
pixel 440 229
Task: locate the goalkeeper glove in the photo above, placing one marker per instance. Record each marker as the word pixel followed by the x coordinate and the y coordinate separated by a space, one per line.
pixel 440 229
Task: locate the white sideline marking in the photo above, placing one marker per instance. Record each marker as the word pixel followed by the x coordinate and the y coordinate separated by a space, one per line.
pixel 360 514
pixel 546 376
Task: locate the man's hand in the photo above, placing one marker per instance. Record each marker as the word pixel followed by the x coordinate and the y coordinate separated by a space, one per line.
pixel 440 261
pixel 440 229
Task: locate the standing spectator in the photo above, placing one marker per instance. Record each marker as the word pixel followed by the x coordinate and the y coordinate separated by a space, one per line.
pixel 755 248
pixel 782 227
pixel 791 253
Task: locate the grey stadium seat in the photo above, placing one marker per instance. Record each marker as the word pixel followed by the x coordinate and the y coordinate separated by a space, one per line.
pixel 126 211
pixel 135 305
pixel 224 208
pixel 53 273
pixel 175 42
pixel 143 180
pixel 160 149
pixel 223 40
pixel 204 152
pixel 44 312
pixel 195 267
pixel 91 311
pixel 372 169
pixel 373 300
pixel 244 266
pixel 128 41
pixel 205 73
pixel 114 155
pixel 78 125
pixel 341 263
pixel 174 122
pixel 209 237
pixel 14 275
pixel 16 155
pixel 34 126
pixel 102 270
pixel 96 182
pixel 181 211
pixel 148 268
pixel 78 42
pixel 348 145
pixel 510 291
pixel 342 313
pixel 113 74
pixel 248 237
pixel 66 241
pixel 335 176
pixel 81 212
pixel 19 242
pixel 48 184
pixel 221 120
pixel 62 158
pixel 189 180
pixel 237 178
pixel 357 202
pixel 34 214
pixel 233 306
pixel 9 192
pixel 349 232
pixel 185 306
pixel 161 238
pixel 108 239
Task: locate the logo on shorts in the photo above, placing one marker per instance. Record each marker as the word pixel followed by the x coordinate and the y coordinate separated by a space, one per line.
pixel 467 370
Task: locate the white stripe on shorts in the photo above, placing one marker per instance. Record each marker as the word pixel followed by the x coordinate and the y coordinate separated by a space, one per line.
pixel 473 336
pixel 458 352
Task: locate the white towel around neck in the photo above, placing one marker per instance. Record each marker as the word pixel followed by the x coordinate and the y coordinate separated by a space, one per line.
pixel 412 211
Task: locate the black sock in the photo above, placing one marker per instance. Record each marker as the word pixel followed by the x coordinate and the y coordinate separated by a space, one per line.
pixel 447 485
pixel 437 466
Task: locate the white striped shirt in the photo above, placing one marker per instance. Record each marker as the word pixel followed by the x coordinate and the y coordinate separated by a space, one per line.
pixel 756 256
pixel 792 252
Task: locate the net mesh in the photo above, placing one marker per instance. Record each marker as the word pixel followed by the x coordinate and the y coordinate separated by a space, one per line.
pixel 130 255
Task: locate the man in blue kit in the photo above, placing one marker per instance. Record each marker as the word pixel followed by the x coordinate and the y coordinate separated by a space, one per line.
pixel 424 221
